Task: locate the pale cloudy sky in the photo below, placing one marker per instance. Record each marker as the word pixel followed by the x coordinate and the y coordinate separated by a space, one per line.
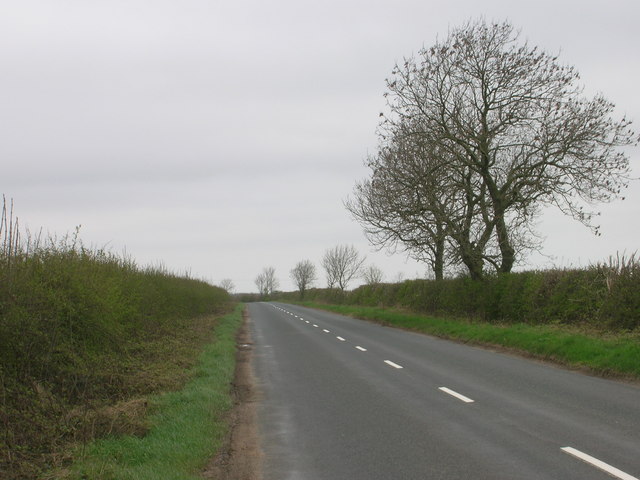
pixel 221 137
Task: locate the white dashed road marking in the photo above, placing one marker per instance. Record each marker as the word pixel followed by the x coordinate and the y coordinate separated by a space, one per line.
pixel 456 394
pixel 598 464
pixel 393 364
pixel 361 349
pixel 341 339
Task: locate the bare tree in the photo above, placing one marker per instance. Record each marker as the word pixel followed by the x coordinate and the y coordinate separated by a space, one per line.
pixel 341 263
pixel 303 275
pixel 407 203
pixel 372 275
pixel 272 283
pixel 267 282
pixel 508 131
pixel 260 282
pixel 228 285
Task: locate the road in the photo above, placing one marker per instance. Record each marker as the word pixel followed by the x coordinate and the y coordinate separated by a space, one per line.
pixel 348 399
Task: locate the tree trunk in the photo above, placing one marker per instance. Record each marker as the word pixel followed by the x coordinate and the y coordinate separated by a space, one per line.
pixel 507 251
pixel 473 262
pixel 438 261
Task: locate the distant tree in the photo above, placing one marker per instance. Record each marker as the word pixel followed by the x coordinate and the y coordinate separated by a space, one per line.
pixel 500 129
pixel 341 263
pixel 267 282
pixel 303 275
pixel 228 285
pixel 260 282
pixel 372 275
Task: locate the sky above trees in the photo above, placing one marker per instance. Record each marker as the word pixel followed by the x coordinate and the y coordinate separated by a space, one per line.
pixel 223 137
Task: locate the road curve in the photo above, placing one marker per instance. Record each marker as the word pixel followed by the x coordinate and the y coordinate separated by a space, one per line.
pixel 348 399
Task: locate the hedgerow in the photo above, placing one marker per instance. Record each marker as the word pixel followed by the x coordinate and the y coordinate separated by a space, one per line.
pixel 80 330
pixel 605 296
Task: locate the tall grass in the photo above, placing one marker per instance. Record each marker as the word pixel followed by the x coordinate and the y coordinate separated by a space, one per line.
pixel 622 299
pixel 74 323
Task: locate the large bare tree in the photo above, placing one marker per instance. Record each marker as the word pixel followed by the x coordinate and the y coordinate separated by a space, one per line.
pixel 342 264
pixel 510 132
pixel 303 275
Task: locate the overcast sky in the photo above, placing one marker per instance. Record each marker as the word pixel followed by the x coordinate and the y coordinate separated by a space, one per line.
pixel 220 137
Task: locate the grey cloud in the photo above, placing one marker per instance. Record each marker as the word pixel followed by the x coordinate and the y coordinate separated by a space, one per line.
pixel 223 136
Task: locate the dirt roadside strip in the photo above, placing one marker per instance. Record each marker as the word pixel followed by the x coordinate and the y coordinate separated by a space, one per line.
pixel 240 458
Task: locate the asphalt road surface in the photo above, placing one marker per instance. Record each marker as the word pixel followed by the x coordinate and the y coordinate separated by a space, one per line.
pixel 348 399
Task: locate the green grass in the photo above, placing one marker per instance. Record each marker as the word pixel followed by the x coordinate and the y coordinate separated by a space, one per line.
pixel 187 426
pixel 615 356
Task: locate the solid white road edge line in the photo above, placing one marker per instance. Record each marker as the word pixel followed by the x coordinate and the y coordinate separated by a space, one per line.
pixel 598 463
pixel 360 348
pixel 394 365
pixel 456 394
pixel 341 339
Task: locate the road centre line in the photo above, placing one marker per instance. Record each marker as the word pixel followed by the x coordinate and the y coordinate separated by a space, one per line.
pixel 341 339
pixel 393 364
pixel 307 321
pixel 325 330
pixel 315 325
pixel 598 464
pixel 360 348
pixel 456 394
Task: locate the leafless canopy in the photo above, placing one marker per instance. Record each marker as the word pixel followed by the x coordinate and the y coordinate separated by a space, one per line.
pixel 303 275
pixel 228 285
pixel 267 282
pixel 483 131
pixel 407 203
pixel 342 264
pixel 372 275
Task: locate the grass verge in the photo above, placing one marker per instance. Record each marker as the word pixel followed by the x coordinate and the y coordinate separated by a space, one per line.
pixel 187 426
pixel 617 356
